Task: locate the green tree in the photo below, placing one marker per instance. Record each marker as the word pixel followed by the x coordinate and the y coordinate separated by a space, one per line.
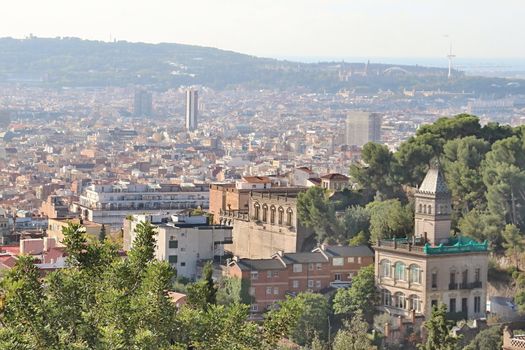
pixel 360 297
pixel 143 250
pixel 313 320
pixel 356 220
pixel 487 339
pixel 203 293
pixel 102 233
pixel 513 243
pixel 280 322
pixel 438 331
pixel 390 219
pixel 233 290
pixel 315 211
pixel 23 312
pixel 375 175
pixel 353 335
pixel 462 160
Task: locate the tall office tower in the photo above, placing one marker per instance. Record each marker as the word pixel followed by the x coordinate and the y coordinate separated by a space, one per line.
pixel 192 109
pixel 142 103
pixel 363 127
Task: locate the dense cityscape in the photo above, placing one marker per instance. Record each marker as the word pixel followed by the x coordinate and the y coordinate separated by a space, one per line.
pixel 174 196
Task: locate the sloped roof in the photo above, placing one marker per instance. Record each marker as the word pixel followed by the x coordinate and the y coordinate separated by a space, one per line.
pixel 260 264
pixel 434 182
pixel 346 251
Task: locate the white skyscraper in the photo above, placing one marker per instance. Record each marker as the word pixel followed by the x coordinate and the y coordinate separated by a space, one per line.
pixel 192 109
pixel 363 127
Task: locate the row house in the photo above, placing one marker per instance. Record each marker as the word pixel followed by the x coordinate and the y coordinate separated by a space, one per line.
pixel 326 267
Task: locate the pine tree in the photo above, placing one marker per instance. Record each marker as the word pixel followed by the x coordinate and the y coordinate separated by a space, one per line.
pixel 102 233
pixel 438 331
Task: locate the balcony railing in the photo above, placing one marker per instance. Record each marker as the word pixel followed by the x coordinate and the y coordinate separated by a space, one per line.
pixel 452 286
pixel 457 316
pixel 471 285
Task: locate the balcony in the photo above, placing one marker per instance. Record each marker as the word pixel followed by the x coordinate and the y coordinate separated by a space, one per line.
pixel 457 316
pixel 471 285
pixel 452 286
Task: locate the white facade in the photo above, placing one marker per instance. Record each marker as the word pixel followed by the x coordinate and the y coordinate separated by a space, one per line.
pixel 110 204
pixel 363 127
pixel 183 241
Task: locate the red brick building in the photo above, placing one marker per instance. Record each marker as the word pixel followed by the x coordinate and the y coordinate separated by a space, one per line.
pixel 292 273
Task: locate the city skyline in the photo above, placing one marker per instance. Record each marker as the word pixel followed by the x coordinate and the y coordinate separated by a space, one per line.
pixel 377 28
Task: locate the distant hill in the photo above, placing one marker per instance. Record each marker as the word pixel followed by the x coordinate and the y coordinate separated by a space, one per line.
pixel 82 63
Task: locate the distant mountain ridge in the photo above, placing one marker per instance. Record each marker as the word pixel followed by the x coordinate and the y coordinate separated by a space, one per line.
pixel 75 62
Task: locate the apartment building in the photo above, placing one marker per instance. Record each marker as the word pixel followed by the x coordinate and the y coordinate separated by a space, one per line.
pixel 55 227
pixel 183 241
pixel 272 279
pixel 110 204
pixel 431 268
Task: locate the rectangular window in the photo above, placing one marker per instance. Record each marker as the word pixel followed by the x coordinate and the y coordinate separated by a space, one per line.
pixel 310 266
pixel 310 283
pixel 182 249
pixel 434 279
pixel 254 308
pixel 477 305
pixel 182 264
pixel 268 290
pixel 464 305
pixel 268 274
pixel 297 268
pixel 317 284
pixel 359 260
pixel 172 259
pixel 452 305
pixel 295 284
pixel 350 275
pixel 477 275
pixel 351 260
pixel 252 291
pixel 275 274
pixel 254 275
pixel 173 244
pixel 434 303
pixel 337 277
pixel 275 290
pixel 338 261
pixel 319 266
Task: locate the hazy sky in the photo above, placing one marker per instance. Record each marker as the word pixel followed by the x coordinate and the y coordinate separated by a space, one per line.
pixel 280 28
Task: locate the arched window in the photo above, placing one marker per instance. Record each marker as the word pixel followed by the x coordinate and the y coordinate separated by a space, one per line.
pixel 420 207
pixel 400 300
pixel 414 303
pixel 415 273
pixel 256 211
pixel 289 213
pixel 400 271
pixel 386 297
pixel 429 209
pixel 281 216
pixel 385 268
pixel 272 214
pixel 425 209
pixel 265 213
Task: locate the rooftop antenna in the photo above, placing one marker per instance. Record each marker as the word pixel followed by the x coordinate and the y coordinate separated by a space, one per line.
pixel 450 56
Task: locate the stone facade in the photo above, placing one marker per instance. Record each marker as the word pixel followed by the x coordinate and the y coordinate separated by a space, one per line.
pixel 432 268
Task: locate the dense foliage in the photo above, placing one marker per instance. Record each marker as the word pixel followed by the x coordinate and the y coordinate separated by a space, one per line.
pixel 104 301
pixel 484 168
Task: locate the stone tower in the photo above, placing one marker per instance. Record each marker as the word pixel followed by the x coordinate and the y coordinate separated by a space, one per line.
pixel 433 207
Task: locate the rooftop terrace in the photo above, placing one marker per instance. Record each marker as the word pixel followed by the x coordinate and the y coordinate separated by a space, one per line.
pixel 454 245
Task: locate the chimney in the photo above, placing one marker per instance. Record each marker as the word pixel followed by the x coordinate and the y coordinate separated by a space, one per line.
pixel 235 258
pixel 280 253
